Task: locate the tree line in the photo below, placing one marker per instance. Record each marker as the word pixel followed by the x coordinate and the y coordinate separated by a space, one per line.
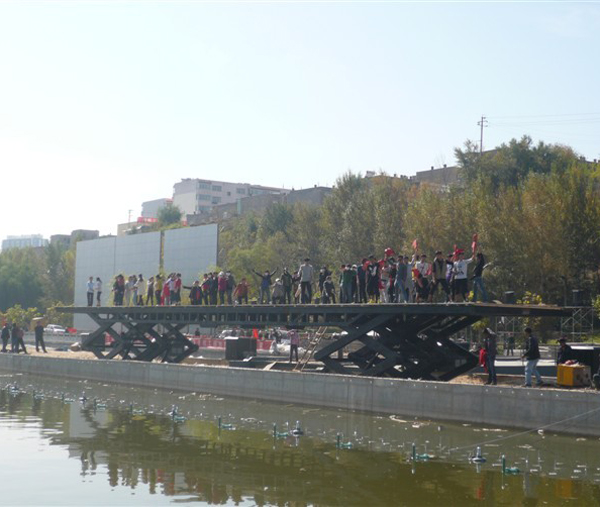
pixel 35 280
pixel 534 207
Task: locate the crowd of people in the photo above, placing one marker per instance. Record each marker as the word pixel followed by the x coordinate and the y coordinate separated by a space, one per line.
pixel 390 279
pixel 15 334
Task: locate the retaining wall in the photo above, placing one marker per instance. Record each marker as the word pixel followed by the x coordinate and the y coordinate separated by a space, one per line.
pixel 487 405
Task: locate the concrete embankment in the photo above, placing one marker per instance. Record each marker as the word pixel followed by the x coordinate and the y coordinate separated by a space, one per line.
pixel 490 406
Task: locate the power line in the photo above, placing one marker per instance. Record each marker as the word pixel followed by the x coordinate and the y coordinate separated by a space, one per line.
pixel 546 115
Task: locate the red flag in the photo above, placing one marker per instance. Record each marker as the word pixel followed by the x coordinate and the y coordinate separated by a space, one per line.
pixel 474 244
pixel 415 245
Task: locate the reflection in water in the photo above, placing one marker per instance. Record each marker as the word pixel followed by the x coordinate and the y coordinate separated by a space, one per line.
pixel 130 441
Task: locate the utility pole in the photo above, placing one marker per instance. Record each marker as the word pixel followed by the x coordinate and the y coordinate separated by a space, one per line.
pixel 482 123
pixel 129 216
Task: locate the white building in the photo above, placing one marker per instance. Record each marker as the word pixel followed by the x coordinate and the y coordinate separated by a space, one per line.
pixel 193 195
pixel 31 240
pixel 150 208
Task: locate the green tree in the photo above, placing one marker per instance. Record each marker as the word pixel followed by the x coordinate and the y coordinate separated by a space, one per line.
pixel 168 215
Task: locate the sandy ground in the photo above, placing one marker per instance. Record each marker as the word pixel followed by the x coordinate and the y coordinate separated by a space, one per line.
pixel 64 354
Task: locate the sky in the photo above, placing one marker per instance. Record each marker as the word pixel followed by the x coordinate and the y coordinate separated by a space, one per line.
pixel 104 105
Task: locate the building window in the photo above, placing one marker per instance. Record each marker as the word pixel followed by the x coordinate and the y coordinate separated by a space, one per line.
pixel 216 200
pixel 228 194
pixel 204 186
pixel 203 197
pixel 241 191
pixel 217 188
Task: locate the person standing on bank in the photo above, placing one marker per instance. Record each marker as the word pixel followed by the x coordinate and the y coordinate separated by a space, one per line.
pixel 90 291
pixel 294 342
pixel 39 338
pixel 491 348
pixel 532 356
pixel 14 338
pixel 5 336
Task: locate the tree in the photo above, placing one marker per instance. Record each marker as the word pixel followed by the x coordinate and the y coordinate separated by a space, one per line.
pixel 168 215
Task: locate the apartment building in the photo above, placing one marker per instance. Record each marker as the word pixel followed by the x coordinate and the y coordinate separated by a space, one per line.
pixel 193 195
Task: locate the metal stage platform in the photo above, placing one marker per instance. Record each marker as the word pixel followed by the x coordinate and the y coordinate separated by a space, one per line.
pixel 395 340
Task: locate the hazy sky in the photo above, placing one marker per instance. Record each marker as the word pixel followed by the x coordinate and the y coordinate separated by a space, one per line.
pixel 104 105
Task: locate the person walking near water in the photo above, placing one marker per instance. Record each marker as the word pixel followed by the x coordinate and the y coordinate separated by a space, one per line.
pixel 16 336
pixel 491 347
pixel 5 336
pixel 14 339
pixel 532 356
pixel 39 338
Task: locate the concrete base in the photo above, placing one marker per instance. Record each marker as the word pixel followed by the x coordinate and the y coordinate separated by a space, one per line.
pixel 524 408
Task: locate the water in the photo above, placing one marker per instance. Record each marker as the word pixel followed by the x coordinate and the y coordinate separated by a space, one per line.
pixel 76 442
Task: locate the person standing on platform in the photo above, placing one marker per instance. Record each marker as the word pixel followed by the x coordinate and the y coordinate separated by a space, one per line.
pixel 490 345
pixel 5 335
pixel 176 293
pixel 241 292
pixel 361 275
pixel 461 265
pixel 195 293
pixel 39 338
pixel 294 342
pixel 119 290
pixel 98 289
pixel 478 285
pixel 347 276
pixel 141 290
pixel 90 291
pixel 288 284
pixel 264 289
pixel 230 286
pixel 400 287
pixel 439 276
pixel 306 272
pixel 328 294
pixel 158 288
pixel 150 292
pixel 532 356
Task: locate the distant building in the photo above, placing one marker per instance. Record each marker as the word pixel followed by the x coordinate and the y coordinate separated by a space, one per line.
pixel 259 203
pixel 63 240
pixel 68 240
pixel 442 177
pixel 83 235
pixel 27 241
pixel 150 208
pixel 198 196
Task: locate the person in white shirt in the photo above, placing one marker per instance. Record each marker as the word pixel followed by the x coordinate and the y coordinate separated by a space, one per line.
pixel 423 266
pixel 90 291
pixel 460 268
pixel 141 290
pixel 306 273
